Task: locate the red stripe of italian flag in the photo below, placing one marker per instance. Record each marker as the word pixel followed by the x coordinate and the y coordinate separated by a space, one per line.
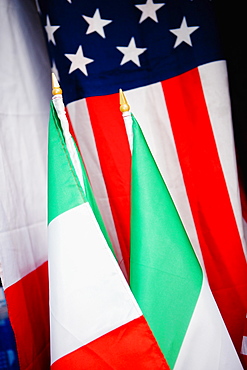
pixel 166 277
pixel 94 318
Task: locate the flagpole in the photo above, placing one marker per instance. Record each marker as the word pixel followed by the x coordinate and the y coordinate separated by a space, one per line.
pixel 57 100
pixel 125 109
pixel 56 89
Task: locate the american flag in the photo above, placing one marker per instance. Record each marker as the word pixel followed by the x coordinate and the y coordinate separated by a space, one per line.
pixel 167 57
pixel 98 47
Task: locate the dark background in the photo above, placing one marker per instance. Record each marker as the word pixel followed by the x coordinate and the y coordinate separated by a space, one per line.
pixel 232 21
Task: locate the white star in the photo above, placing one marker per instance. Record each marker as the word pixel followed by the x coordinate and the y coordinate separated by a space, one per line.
pixel 131 52
pixel 149 10
pixel 96 24
pixel 37 6
pixel 78 61
pixel 50 30
pixel 183 33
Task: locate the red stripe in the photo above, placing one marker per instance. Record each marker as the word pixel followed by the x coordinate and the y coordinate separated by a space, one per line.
pixel 132 346
pixel 115 160
pixel 209 200
pixel 71 129
pixel 29 315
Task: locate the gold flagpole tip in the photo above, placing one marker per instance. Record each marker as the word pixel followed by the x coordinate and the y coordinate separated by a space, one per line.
pixel 124 106
pixel 56 89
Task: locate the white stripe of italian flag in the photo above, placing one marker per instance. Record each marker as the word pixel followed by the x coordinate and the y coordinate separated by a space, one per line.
pixel 165 275
pixel 94 319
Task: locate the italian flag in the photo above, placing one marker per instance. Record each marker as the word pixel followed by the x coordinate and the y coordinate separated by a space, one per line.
pixel 95 321
pixel 165 275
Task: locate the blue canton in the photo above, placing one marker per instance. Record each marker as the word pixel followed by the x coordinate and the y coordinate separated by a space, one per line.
pixel 157 43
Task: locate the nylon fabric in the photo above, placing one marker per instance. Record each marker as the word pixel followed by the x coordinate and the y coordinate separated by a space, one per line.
pixel 31 319
pixel 165 275
pixel 62 179
pixel 212 211
pixel 119 349
pixel 110 137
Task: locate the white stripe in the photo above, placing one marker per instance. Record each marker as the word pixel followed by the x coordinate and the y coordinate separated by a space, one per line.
pixel 128 126
pixel 24 116
pixel 244 346
pixel 89 295
pixel 207 344
pixel 80 119
pixel 149 108
pixel 215 87
pixel 23 248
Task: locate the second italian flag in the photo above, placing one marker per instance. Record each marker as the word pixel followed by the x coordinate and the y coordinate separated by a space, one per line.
pixel 166 277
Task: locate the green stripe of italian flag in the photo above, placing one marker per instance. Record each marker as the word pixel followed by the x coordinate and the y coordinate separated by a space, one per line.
pixel 165 275
pixel 95 321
